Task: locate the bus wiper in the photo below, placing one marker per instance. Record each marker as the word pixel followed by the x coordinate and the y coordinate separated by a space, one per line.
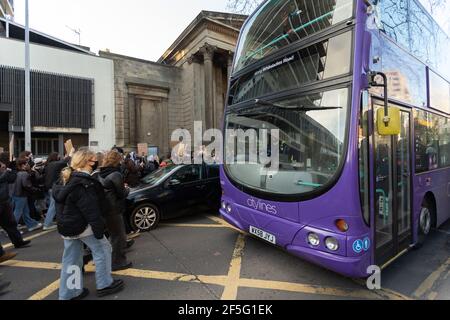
pixel 294 108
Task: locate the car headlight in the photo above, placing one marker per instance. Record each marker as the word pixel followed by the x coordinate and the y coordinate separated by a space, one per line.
pixel 332 244
pixel 313 239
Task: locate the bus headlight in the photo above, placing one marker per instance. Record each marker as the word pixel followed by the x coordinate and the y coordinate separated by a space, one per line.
pixel 224 205
pixel 313 239
pixel 228 208
pixel 332 244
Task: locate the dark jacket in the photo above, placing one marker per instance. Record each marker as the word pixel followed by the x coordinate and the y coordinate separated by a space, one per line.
pixel 115 191
pixel 131 173
pixel 52 172
pixel 22 186
pixel 78 204
pixel 6 178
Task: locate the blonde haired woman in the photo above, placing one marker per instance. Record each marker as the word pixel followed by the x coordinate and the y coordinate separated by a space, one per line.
pixel 79 200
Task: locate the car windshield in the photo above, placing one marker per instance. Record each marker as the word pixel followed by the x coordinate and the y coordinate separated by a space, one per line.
pixel 279 23
pixel 312 131
pixel 157 176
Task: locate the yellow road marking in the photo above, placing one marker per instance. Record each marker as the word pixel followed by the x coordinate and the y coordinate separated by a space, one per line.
pixel 224 223
pixel 10 245
pixel 171 276
pixel 32 265
pixel 234 273
pixel 231 282
pixel 47 291
pixel 187 225
pixel 383 292
pixel 433 295
pixel 429 282
pixel 304 288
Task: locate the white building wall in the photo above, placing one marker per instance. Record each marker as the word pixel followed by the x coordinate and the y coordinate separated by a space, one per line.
pixel 47 59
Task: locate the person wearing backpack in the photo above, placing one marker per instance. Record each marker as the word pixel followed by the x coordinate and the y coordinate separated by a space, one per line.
pixel 113 182
pixel 79 201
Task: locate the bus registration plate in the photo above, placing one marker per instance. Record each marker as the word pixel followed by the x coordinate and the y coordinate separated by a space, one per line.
pixel 263 235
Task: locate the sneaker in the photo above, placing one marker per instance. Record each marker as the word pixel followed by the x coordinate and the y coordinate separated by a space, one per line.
pixel 7 256
pixel 134 235
pixel 37 227
pixel 124 267
pixel 130 243
pixel 116 286
pixel 23 244
pixel 52 227
pixel 83 295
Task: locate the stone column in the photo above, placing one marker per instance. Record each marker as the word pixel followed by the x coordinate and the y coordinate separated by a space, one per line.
pixel 132 124
pixel 208 55
pixel 230 63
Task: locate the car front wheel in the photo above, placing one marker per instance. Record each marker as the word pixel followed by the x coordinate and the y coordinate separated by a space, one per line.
pixel 145 218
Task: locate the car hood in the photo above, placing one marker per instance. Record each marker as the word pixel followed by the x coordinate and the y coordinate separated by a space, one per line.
pixel 141 187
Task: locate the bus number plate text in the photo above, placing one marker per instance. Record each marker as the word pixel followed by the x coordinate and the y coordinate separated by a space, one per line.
pixel 263 235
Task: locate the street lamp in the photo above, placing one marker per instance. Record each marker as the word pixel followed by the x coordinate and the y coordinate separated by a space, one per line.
pixel 27 82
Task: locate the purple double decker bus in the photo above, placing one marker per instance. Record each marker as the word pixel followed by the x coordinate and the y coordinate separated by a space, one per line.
pixel 359 93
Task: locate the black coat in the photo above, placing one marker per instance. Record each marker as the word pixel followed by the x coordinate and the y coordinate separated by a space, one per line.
pixel 52 172
pixel 6 178
pixel 115 191
pixel 78 204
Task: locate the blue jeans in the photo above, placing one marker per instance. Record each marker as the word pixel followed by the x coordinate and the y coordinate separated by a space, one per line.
pixel 51 212
pixel 21 209
pixel 72 264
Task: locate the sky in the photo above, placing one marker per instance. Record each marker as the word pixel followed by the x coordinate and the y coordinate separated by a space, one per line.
pixel 139 28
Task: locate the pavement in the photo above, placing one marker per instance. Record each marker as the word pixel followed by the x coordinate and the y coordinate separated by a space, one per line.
pixel 201 257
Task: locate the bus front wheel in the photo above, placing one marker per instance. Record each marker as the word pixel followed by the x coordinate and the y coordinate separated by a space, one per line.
pixel 425 222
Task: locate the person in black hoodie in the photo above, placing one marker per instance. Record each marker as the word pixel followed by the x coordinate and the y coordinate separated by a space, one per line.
pixel 113 182
pixel 79 203
pixel 7 219
pixel 51 174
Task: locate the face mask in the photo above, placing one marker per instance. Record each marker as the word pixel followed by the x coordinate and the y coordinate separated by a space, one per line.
pixel 95 166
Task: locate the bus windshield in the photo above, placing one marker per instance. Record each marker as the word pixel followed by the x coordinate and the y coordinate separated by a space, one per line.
pixel 281 22
pixel 312 138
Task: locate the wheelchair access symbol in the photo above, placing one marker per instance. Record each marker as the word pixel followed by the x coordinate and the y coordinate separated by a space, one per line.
pixel 358 246
pixel 361 245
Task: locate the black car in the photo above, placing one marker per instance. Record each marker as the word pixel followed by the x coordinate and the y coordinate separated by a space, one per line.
pixel 172 192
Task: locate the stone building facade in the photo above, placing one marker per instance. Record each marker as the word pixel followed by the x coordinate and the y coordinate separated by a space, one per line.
pixel 188 83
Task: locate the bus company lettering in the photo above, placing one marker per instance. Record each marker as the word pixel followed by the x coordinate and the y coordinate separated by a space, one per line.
pixel 275 64
pixel 262 206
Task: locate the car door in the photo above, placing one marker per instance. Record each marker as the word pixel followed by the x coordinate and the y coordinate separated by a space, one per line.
pixel 213 191
pixel 186 189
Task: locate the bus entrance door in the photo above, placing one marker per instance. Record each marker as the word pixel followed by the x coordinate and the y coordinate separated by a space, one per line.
pixel 392 203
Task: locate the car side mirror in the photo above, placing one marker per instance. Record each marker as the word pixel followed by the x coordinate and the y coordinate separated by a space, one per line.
pixel 174 182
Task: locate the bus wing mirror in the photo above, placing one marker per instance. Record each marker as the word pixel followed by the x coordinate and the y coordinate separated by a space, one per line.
pixel 389 125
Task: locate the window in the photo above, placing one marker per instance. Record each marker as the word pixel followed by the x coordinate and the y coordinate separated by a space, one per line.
pixel 279 23
pixel 320 61
pixel 410 86
pixel 311 142
pixel 439 93
pixel 188 174
pixel 363 148
pixel 431 141
pixel 408 23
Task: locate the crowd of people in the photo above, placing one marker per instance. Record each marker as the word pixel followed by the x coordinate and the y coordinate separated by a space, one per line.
pixel 82 196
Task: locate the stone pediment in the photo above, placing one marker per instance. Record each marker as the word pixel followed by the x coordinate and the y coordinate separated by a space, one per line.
pixel 221 25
